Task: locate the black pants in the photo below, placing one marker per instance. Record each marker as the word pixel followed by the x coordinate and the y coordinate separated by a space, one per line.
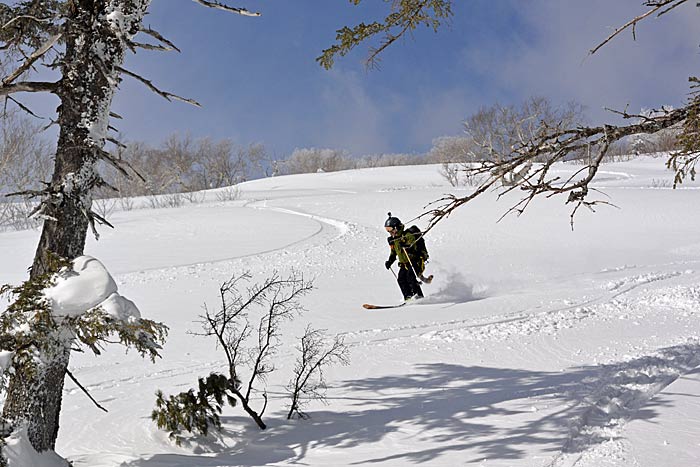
pixel 408 282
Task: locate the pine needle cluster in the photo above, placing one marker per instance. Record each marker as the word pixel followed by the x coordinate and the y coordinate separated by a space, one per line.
pixel 194 412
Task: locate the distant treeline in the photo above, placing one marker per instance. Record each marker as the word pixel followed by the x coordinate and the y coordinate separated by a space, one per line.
pixel 182 166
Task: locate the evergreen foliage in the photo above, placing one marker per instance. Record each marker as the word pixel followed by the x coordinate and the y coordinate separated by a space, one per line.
pixel 405 16
pixel 28 327
pixel 191 412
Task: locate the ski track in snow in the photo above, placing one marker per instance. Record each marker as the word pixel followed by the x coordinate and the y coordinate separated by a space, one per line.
pixel 604 403
pixel 613 396
pixel 641 279
pixel 523 323
pixel 329 231
pixel 611 390
pixel 150 375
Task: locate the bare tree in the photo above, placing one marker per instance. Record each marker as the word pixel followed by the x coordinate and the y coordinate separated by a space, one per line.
pixel 555 144
pixel 453 153
pixel 84 42
pixel 492 133
pixel 247 328
pixel 24 163
pixel 183 165
pixel 309 160
pixel 24 154
pixel 261 162
pixel 308 382
pixel 451 149
pixel 496 130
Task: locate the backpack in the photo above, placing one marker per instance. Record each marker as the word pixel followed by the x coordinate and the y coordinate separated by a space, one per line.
pixel 418 249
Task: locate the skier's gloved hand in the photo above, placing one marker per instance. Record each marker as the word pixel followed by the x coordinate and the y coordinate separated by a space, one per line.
pixel 388 264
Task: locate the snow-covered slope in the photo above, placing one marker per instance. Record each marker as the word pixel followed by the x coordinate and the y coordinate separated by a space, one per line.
pixel 536 345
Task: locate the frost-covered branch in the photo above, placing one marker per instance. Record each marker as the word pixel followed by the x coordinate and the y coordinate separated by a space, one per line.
pixel 224 7
pixel 74 302
pixel 28 86
pixel 166 95
pixel 159 37
pixel 38 53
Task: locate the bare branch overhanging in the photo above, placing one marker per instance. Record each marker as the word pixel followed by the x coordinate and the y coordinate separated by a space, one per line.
pixel 166 95
pixel 224 7
pixel 555 144
pixel 656 6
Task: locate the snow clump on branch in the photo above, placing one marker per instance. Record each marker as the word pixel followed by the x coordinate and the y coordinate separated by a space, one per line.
pixel 87 286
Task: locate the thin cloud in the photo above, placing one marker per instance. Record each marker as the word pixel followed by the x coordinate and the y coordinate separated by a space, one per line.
pixel 354 120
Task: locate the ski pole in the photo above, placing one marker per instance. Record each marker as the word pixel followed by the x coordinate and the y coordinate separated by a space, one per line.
pixel 391 268
pixel 420 276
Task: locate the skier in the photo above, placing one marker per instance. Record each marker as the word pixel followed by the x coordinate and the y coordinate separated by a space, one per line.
pixel 409 247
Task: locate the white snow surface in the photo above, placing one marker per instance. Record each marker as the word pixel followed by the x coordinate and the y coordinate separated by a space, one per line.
pixel 536 345
pixel 88 285
pixel 20 453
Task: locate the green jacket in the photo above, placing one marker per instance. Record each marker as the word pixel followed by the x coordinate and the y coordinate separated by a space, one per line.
pixel 402 247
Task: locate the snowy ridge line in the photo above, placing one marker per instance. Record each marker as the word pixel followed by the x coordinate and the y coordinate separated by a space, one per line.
pixel 683 264
pixel 549 322
pixel 502 326
pixel 620 390
pixel 466 325
pixel 422 328
pixel 469 322
pixel 624 267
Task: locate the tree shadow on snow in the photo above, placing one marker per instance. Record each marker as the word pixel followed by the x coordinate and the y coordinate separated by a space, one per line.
pixel 486 413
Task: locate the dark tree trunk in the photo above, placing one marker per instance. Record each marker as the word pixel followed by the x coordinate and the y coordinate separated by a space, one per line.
pixel 95 36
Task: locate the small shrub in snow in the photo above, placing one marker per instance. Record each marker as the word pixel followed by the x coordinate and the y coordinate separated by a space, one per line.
pixel 247 327
pixel 16 216
pixel 308 382
pixel 194 197
pixel 191 412
pixel 230 193
pixel 126 203
pixel 104 207
pixel 171 200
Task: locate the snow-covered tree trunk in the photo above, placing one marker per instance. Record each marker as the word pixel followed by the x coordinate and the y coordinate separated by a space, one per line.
pixel 96 34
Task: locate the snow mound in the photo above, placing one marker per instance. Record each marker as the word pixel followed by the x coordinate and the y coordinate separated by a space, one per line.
pixel 88 285
pixel 20 452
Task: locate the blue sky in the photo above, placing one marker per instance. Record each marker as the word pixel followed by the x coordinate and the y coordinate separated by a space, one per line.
pixel 258 81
